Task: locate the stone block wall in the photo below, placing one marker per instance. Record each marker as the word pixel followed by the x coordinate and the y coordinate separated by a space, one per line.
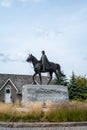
pixel 43 93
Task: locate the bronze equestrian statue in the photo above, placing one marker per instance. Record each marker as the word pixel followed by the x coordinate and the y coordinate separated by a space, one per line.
pixel 43 66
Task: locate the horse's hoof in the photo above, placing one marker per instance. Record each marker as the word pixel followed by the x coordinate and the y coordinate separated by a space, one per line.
pixel 34 83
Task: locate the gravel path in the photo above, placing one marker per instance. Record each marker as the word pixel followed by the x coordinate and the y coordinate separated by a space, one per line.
pixel 43 126
pixel 47 128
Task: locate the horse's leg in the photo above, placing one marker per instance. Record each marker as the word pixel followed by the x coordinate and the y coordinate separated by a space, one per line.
pixel 57 75
pixel 34 78
pixel 50 78
pixel 40 78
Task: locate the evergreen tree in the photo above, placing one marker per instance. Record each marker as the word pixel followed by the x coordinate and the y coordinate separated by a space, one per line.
pixel 60 80
pixel 72 87
pixel 77 87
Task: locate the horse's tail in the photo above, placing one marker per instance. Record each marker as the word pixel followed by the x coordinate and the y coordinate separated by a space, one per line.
pixel 59 70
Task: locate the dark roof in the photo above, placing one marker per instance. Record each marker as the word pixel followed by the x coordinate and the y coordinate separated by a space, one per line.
pixel 19 80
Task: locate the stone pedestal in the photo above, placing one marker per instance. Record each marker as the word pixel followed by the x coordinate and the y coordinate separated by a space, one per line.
pixel 43 93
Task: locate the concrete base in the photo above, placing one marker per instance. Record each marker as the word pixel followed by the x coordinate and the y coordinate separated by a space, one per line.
pixel 43 93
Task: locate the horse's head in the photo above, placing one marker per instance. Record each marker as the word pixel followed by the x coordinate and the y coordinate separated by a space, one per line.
pixel 29 59
pixel 35 62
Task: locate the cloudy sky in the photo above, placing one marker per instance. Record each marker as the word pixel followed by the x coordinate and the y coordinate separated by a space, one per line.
pixel 57 26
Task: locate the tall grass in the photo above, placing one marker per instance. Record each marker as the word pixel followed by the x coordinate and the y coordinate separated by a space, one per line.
pixel 6 111
pixel 63 112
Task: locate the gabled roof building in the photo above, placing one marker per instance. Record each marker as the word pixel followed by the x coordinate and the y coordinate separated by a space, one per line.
pixel 11 86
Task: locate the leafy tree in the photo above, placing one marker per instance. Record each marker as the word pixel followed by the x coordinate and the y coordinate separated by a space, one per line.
pixel 81 82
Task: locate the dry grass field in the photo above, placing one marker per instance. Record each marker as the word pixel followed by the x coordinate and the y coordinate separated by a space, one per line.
pixel 37 112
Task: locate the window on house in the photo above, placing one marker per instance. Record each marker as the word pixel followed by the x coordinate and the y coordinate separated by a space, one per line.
pixel 7 90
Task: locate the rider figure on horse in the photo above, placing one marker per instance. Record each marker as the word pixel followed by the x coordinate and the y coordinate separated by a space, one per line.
pixel 44 61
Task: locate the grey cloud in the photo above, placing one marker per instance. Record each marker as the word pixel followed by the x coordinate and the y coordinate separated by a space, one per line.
pixel 6 3
pixel 5 58
pixel 9 58
pixel 1 54
pixel 9 3
pixel 85 58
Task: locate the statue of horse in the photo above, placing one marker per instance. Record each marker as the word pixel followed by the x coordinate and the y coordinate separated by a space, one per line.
pixel 39 69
